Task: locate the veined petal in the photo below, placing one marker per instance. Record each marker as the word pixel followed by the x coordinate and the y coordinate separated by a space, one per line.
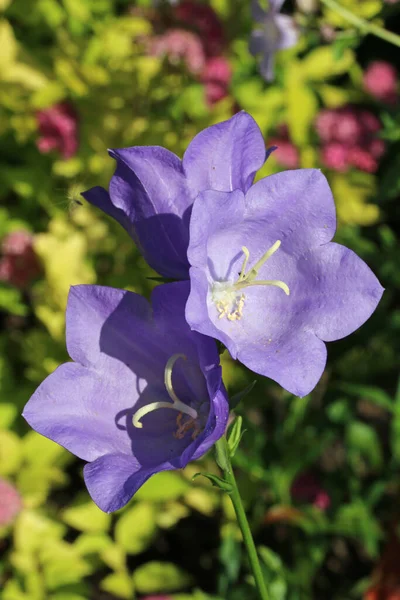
pixel 298 206
pixel 225 156
pixel 77 408
pixel 343 291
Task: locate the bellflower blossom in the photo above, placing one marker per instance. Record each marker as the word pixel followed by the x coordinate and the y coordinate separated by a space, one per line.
pixel 144 394
pixel 152 190
pixel 277 32
pixel 267 281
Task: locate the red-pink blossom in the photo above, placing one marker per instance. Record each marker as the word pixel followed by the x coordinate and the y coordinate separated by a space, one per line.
pixel 335 156
pixel 216 77
pixel 58 129
pixel 205 22
pixel 306 488
pixel 10 502
pixel 18 262
pixel 380 80
pixel 180 45
pixel 349 138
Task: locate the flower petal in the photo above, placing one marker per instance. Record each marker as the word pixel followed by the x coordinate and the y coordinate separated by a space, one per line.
pixel 296 362
pixel 113 479
pixel 345 291
pixel 288 32
pixel 225 156
pixel 297 205
pixel 257 13
pixel 78 409
pixel 257 42
pixel 106 322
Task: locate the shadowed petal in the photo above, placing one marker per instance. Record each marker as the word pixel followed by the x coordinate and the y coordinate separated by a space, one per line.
pixel 77 408
pixel 257 13
pixel 345 291
pixel 225 156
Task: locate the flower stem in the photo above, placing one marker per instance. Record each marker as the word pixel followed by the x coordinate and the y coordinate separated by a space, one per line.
pixel 222 450
pixel 362 24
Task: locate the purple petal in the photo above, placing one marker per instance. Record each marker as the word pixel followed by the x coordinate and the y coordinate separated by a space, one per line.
pixel 267 65
pixel 288 32
pixel 275 5
pixel 225 156
pixel 258 14
pixel 111 328
pixel 296 362
pixel 345 291
pixel 257 42
pixel 100 198
pixel 113 479
pixel 298 207
pixel 77 408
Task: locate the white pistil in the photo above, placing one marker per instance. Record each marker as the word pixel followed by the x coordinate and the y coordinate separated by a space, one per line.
pixel 176 403
pixel 227 302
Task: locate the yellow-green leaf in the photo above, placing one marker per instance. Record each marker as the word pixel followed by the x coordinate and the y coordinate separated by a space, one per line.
pixel 136 528
pixel 87 517
pixel 163 486
pixel 118 584
pixel 155 577
pixel 321 63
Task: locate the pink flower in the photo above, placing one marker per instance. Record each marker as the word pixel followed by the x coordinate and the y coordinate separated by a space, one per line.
pixel 286 153
pixel 216 77
pixel 205 22
pixel 380 80
pixel 180 45
pixel 10 503
pixel 18 262
pixel 335 156
pixel 58 129
pixel 349 138
pixel 306 488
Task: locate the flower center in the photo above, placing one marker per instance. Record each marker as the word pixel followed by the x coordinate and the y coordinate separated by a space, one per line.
pixel 177 404
pixel 228 298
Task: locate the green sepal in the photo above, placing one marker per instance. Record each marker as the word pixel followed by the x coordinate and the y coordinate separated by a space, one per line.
pixel 216 482
pixel 236 398
pixel 235 436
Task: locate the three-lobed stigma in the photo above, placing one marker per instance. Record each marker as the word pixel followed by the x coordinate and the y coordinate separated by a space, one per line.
pixel 177 404
pixel 227 299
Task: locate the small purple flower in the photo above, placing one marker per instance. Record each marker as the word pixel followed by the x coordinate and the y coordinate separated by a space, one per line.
pixel 277 33
pixel 267 281
pixel 112 406
pixel 152 190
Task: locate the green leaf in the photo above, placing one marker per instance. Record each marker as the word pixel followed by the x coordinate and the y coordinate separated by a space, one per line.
pixel 10 452
pixel 164 486
pixel 221 454
pixel 155 577
pixel 118 584
pixel 216 481
pixel 363 439
pixel 136 528
pixel 322 63
pixel 87 517
pixel 11 301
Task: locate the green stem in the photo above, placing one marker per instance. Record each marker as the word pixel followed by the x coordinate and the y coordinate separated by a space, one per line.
pixel 222 450
pixel 364 26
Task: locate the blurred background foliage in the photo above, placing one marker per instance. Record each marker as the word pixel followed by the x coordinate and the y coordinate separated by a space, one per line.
pixel 320 475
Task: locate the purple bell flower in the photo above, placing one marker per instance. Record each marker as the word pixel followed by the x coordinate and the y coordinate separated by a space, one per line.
pixel 267 281
pixel 152 190
pixel 144 394
pixel 277 32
